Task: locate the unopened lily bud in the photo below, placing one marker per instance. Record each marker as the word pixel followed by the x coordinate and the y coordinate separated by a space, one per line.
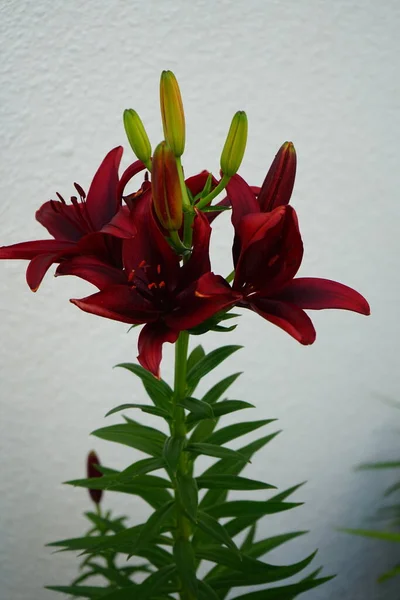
pixel 278 184
pixel 235 145
pixel 137 135
pixel 173 118
pixel 166 189
pixel 92 461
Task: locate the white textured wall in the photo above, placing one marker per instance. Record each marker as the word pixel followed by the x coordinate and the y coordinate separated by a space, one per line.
pixel 321 73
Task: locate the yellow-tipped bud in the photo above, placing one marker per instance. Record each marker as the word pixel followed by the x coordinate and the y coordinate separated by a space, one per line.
pixel 235 145
pixel 166 189
pixel 172 114
pixel 137 135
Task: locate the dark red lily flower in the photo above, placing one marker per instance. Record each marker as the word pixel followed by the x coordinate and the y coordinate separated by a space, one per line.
pixel 92 225
pixel 267 254
pixel 153 289
pixel 92 471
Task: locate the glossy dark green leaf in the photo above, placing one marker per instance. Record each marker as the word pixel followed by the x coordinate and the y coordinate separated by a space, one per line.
pixel 207 364
pixel 172 451
pixel 154 523
pixel 286 493
pixel 80 543
pixel 214 450
pixel 80 591
pixel 231 482
pixel 202 430
pixel 151 410
pixel 141 467
pixel 232 467
pixel 231 432
pixel 196 354
pixel 198 408
pixel 216 208
pixel 260 548
pixel 225 407
pixel 215 530
pixel 220 388
pixel 206 592
pixel 255 572
pixel 250 508
pixel 186 565
pixel 188 494
pixel 106 483
pixel 158 390
pixel 285 592
pixel 143 438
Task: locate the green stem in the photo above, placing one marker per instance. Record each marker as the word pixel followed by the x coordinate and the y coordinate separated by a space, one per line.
pixel 214 193
pixel 187 207
pixel 183 527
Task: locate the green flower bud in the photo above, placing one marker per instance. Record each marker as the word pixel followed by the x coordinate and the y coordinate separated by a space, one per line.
pixel 137 135
pixel 235 145
pixel 173 118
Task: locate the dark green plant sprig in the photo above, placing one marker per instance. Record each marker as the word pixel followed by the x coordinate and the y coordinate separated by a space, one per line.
pixel 193 519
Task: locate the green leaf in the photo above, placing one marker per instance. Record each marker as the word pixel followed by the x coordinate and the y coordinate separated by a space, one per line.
pixel 198 408
pixel 219 409
pixel 216 208
pixel 255 572
pixel 151 410
pixel 380 465
pixel 114 575
pixel 196 354
pixel 143 438
pixel 110 483
pixel 152 527
pixel 248 508
pixel 260 548
pixel 206 592
pixel 172 451
pixel 186 565
pixel 284 592
pixel 80 591
pixel 103 524
pixel 141 467
pixel 203 430
pixel 232 467
pixel 388 536
pixel 215 530
pixel 81 543
pixel 208 363
pixel 393 488
pixel 231 432
pixel 188 494
pixel 231 482
pixel 220 388
pixel 158 390
pixel 149 588
pixel 389 574
pixel 214 450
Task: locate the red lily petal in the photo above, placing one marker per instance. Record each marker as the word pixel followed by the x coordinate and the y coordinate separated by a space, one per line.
pixel 316 293
pixel 63 221
pixel 271 251
pixel 28 250
pixel 288 317
pixel 150 342
pixel 199 262
pixel 120 303
pixel 278 184
pixel 209 295
pixel 103 201
pixel 38 268
pixel 122 225
pixel 93 270
pixel 127 175
pixel 242 198
pixel 105 247
pixel 197 182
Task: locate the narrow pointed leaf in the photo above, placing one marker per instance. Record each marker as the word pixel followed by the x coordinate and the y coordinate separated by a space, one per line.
pixel 206 592
pixel 231 432
pixel 143 438
pixel 208 363
pixel 158 390
pixel 141 467
pixel 214 450
pixel 188 494
pixel 388 536
pixel 220 388
pixel 198 408
pixel 153 525
pixel 247 508
pixel 215 530
pixel 196 354
pixel 285 592
pixel 380 465
pixel 231 482
pixel 172 451
pixel 202 430
pixel 151 410
pixel 186 565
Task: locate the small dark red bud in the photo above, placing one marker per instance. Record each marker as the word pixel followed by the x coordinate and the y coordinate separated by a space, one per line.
pixel 92 471
pixel 278 184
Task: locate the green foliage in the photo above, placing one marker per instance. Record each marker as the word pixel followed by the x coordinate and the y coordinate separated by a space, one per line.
pixel 193 517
